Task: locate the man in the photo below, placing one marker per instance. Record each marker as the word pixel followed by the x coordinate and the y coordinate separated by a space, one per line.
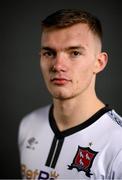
pixel 78 136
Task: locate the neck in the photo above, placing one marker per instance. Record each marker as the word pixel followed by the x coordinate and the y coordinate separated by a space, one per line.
pixel 71 112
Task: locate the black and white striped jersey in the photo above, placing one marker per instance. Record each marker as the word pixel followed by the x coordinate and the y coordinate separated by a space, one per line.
pixel 91 150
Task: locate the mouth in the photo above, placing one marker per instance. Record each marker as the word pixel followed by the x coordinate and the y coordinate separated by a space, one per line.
pixel 60 81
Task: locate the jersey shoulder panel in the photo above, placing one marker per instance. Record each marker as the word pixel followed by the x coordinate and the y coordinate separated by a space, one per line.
pixel 115 117
pixel 115 131
pixel 35 116
pixel 32 121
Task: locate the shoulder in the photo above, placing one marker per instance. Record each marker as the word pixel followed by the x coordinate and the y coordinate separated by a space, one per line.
pixel 114 130
pixel 32 122
pixel 115 117
pixel 111 128
pixel 115 125
pixel 35 116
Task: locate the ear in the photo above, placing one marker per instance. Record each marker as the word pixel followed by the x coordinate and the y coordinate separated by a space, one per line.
pixel 101 62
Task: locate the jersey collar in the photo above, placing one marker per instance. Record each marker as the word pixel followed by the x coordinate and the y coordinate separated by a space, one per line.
pixel 61 134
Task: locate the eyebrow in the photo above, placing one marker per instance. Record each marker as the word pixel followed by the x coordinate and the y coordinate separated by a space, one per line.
pixel 47 48
pixel 67 48
pixel 76 47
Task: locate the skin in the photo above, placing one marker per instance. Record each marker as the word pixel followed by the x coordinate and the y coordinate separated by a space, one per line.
pixel 70 59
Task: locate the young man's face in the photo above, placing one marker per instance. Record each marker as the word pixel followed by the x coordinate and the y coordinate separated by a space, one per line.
pixel 69 61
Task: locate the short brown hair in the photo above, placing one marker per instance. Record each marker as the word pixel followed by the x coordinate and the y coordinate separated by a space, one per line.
pixel 68 17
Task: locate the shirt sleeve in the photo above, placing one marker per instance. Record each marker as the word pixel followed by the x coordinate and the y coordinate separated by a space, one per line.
pixel 116 172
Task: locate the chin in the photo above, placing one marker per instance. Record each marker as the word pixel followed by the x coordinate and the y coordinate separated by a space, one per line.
pixel 60 95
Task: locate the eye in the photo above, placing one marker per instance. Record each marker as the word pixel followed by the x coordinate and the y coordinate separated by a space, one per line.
pixel 48 53
pixel 75 53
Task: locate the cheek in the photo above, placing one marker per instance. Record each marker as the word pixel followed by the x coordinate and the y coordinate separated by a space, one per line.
pixel 88 68
pixel 83 76
pixel 44 73
pixel 44 68
pixel 42 64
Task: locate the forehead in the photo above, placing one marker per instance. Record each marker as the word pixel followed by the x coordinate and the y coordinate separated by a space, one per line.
pixel 70 36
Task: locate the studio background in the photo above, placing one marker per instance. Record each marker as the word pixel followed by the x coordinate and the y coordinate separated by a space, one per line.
pixel 21 85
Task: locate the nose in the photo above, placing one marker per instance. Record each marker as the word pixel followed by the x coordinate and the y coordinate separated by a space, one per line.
pixel 59 63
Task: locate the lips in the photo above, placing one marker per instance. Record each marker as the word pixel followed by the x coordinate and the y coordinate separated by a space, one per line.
pixel 60 81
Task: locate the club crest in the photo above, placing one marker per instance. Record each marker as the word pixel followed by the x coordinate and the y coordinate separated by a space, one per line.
pixel 83 160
